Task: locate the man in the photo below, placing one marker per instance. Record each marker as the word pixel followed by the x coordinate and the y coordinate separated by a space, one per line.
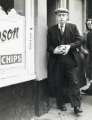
pixel 89 48
pixel 63 41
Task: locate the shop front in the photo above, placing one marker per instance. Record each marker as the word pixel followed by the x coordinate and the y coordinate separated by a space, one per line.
pixel 23 38
pixel 23 32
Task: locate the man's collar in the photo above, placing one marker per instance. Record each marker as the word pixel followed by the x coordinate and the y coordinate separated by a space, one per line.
pixel 63 28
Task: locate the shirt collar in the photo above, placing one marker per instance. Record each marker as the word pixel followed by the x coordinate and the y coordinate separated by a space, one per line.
pixel 63 28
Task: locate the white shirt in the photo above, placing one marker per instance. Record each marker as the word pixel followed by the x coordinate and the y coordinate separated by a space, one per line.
pixel 63 28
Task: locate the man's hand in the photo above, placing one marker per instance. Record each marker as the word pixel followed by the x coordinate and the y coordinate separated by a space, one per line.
pixel 62 49
pixel 57 50
pixel 65 50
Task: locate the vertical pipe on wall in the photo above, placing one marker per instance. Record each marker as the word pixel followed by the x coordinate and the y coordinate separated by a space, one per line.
pixel 84 15
pixel 67 4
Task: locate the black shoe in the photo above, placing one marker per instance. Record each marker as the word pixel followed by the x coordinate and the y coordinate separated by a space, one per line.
pixel 88 91
pixel 62 108
pixel 77 110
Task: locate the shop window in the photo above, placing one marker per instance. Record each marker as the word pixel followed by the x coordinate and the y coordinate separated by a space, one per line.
pixel 16 41
pixel 12 38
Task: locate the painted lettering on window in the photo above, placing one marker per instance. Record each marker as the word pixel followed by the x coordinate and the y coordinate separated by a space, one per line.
pixel 10 59
pixel 9 34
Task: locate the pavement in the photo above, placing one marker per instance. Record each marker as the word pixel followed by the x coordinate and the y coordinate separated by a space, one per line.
pixel 19 107
pixel 56 114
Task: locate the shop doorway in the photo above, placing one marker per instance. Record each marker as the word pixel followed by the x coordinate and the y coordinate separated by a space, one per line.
pixel 51 5
pixel 89 8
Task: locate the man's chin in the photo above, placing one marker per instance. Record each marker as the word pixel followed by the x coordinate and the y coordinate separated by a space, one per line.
pixel 62 22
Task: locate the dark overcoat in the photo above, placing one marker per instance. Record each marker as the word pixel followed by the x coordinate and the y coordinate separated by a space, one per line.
pixel 89 47
pixel 70 36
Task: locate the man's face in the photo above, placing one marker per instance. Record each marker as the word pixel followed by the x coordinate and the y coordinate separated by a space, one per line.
pixel 62 18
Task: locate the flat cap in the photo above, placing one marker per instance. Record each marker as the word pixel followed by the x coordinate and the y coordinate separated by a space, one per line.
pixel 89 19
pixel 61 10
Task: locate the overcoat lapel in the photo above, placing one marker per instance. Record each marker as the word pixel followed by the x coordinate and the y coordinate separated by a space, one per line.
pixel 58 35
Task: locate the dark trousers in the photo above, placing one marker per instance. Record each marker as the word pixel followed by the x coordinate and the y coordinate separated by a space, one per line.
pixel 67 84
pixel 89 73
